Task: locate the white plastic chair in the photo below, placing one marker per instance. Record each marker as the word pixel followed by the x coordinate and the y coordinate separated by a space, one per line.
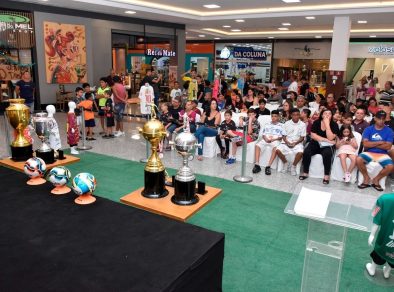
pixel 290 158
pixel 336 169
pixel 272 106
pixel 210 147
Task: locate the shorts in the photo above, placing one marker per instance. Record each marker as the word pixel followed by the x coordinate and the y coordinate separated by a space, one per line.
pixel 382 159
pixel 286 150
pixel 101 112
pixel 263 144
pixel 90 123
pixel 240 134
pixel 110 121
pixel 118 111
pixel 377 259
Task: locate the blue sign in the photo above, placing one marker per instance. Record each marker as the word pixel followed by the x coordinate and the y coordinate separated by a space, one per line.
pixel 249 53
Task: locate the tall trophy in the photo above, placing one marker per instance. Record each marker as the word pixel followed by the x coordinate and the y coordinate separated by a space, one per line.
pixel 154 173
pixel 41 126
pixel 19 116
pixel 185 180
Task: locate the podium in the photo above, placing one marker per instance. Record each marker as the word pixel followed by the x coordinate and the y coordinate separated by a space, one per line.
pixel 330 212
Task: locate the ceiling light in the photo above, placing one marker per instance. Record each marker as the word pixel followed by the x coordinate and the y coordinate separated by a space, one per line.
pixel 201 35
pixel 130 12
pixel 291 1
pixel 227 26
pixel 270 37
pixel 235 30
pixel 217 38
pixel 286 24
pixel 211 6
pixel 372 36
pixel 318 37
pixel 283 28
pixel 310 17
pixel 362 21
pixel 239 20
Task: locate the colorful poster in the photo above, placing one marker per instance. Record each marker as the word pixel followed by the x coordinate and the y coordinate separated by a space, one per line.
pixel 65 53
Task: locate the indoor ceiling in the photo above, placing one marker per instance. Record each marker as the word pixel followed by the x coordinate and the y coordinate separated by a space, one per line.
pixel 260 18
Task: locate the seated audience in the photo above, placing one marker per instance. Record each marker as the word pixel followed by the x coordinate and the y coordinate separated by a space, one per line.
pixel 372 106
pixel 315 104
pixel 301 103
pixel 274 97
pixel 176 91
pixel 165 119
pixel 305 116
pixel 206 101
pixel 173 118
pixel 284 111
pixel 377 141
pixel 252 134
pixel 249 99
pixel 272 135
pixel 239 104
pixel 227 125
pixel 293 96
pixel 388 92
pixel 323 134
pixel 195 107
pixel 331 104
pixel 262 110
pixel 347 148
pixel 210 120
pixel 221 102
pixel 231 102
pixel 190 114
pixel 359 123
pixel 347 120
pixel 292 141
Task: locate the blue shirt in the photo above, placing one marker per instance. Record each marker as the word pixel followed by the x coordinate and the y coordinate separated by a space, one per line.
pixel 374 135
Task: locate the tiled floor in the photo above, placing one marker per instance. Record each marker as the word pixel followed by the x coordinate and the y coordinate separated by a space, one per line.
pixel 127 148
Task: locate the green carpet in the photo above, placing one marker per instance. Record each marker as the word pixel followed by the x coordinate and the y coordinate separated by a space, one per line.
pixel 264 248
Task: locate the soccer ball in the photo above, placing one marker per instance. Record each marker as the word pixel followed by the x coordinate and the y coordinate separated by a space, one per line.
pixel 84 183
pixel 35 167
pixel 59 176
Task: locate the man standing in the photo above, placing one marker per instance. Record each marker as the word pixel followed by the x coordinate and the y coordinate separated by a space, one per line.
pixel 223 85
pixel 156 78
pixel 304 89
pixel 293 85
pixel 377 141
pixel 25 88
pixel 120 100
pixel 193 86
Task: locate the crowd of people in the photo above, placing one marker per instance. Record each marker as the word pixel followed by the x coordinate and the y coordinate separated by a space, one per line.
pixel 303 123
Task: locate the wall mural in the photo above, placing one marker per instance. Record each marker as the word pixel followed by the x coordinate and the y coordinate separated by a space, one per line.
pixel 65 53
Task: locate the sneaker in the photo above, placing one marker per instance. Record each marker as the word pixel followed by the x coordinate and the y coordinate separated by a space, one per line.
pixel 112 136
pixel 293 170
pixel 348 177
pixel 236 139
pixel 118 134
pixel 285 167
pixel 161 155
pixel 386 271
pixel 106 137
pixel 230 161
pixel 256 168
pixel 268 170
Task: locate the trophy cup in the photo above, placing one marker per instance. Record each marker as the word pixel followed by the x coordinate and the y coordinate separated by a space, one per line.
pixel 185 180
pixel 19 116
pixel 41 126
pixel 154 172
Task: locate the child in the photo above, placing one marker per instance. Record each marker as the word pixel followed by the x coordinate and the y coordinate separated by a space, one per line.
pixel 77 99
pixel 347 119
pixel 101 102
pixel 176 91
pixel 87 105
pixel 225 126
pixel 347 147
pixel 109 114
pixel 86 89
pixel 165 119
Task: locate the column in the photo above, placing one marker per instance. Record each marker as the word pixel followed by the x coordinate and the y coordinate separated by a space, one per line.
pixel 181 51
pixel 338 57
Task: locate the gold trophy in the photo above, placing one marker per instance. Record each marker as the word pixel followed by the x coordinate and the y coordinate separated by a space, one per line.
pixel 154 173
pixel 19 116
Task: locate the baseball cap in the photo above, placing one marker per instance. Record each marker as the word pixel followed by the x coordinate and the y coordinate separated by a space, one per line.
pixel 381 115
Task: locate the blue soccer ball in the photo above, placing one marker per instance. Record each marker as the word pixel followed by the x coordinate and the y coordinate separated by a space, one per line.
pixel 84 183
pixel 59 176
pixel 35 167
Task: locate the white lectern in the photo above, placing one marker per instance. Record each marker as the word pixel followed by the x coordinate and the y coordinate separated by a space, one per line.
pixel 330 212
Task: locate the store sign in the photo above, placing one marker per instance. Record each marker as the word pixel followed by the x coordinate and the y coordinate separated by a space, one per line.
pixel 381 50
pixel 160 53
pixel 249 53
pixel 15 22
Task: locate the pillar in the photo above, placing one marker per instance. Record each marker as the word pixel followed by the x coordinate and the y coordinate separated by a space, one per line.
pixel 338 57
pixel 181 51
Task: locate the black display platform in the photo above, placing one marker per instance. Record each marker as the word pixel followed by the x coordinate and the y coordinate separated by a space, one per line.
pixel 21 153
pixel 48 156
pixel 49 243
pixel 155 187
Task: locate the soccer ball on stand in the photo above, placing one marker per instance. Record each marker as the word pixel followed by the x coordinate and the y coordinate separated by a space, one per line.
pixel 59 176
pixel 84 185
pixel 35 168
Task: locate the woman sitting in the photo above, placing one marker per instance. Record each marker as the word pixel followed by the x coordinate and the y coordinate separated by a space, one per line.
pixel 324 133
pixel 250 99
pixel 210 120
pixel 285 110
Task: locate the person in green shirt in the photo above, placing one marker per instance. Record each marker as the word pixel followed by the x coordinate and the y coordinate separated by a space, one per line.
pixel 193 85
pixel 101 101
pixel 383 219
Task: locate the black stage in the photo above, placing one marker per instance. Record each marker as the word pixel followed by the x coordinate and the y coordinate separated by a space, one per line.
pixel 48 243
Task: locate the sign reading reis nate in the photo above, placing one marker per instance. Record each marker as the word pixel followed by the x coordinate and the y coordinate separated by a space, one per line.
pixel 160 53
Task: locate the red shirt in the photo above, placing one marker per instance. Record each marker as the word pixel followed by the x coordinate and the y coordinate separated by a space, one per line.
pixel 119 92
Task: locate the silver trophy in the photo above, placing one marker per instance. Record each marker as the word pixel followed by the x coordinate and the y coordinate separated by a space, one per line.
pixel 41 126
pixel 185 180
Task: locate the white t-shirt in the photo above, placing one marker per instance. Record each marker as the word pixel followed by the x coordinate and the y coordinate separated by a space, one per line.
pixel 176 92
pixel 146 96
pixel 293 131
pixel 273 130
pixel 293 87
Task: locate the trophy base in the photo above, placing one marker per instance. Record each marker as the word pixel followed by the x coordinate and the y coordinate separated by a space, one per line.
pixel 185 193
pixel 85 199
pixel 154 185
pixel 21 153
pixel 61 190
pixel 48 156
pixel 36 181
